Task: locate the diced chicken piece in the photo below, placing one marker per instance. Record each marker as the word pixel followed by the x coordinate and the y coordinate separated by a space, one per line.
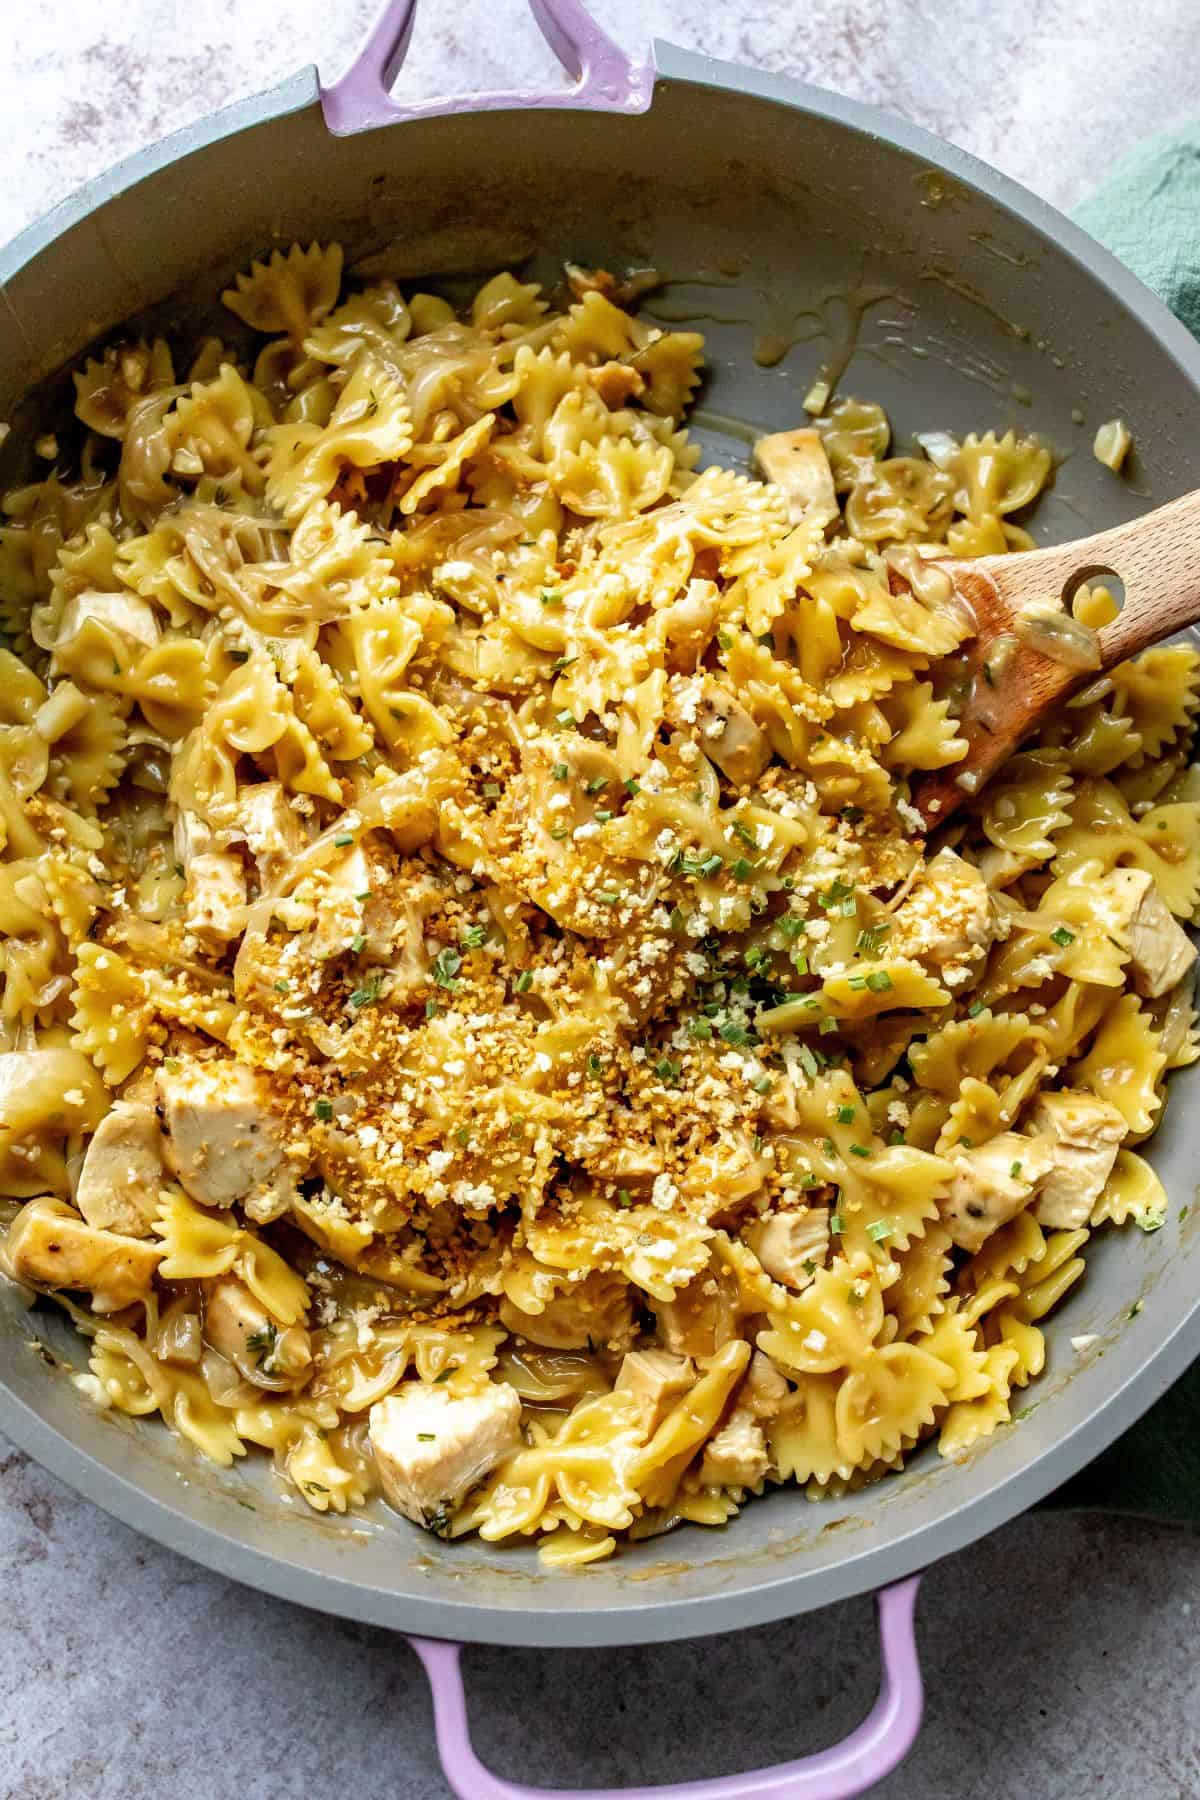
pixel 50 1246
pixel 763 1390
pixel 796 462
pixel 948 920
pixel 216 897
pixel 239 1327
pixel 271 829
pixel 122 1172
pixel 792 1246
pixel 616 382
pixel 221 1139
pixel 432 1447
pixel 736 1456
pixel 658 1379
pixel 131 618
pixel 192 838
pixel 1083 1135
pixel 729 736
pixel 991 1184
pixel 347 886
pixel 1160 951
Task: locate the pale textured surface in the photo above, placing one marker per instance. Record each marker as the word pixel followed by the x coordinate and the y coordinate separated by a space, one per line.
pixel 1059 1655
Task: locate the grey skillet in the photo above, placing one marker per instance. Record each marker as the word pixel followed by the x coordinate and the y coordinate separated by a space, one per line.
pixel 767 203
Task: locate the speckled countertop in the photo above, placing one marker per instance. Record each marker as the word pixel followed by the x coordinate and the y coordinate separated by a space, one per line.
pixel 1060 1653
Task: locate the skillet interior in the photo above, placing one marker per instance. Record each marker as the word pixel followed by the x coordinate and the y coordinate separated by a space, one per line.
pixel 762 202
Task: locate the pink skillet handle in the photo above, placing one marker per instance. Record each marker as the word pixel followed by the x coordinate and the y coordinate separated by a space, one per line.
pixel 857 1763
pixel 604 79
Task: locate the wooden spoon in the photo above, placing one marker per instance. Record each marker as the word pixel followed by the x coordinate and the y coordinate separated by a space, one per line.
pixel 1013 683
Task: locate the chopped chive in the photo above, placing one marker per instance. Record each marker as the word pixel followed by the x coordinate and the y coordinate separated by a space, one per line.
pixel 742 869
pixel 837 1224
pixel 524 981
pixel 324 1110
pixel 445 966
pixel 975 1008
pixel 491 790
pixel 879 1229
pixel 859 1150
pixel 631 786
pixel 345 837
pixel 1015 1170
pixel 763 1085
pixel 551 597
pixel 828 1024
pixel 624 1197
pixel 566 718
pixel 734 1033
pixel 474 936
pixel 879 981
pixel 603 814
pixel 364 995
pixel 595 1067
pixel 667 1070
pixel 808 1061
pixel 560 771
pixel 283 987
pixel 725 640
pixel 358 944
pixel 608 896
pixel 845 1115
pixel 1060 935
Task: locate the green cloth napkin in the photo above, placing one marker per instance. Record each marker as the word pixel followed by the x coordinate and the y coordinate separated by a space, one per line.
pixel 1148 214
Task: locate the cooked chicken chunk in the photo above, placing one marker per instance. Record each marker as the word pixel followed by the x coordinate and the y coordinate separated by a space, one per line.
pixel 763 1390
pixel 348 884
pixel 791 1246
pixel 50 1246
pixel 948 920
pixel 993 1182
pixel 796 462
pixel 192 838
pixel 1160 951
pixel 121 612
pixel 122 1172
pixel 432 1447
pixel 221 1139
pixel 658 1379
pixel 271 829
pixel 1083 1135
pixel 216 897
pixel 239 1327
pixel 736 1455
pixel 729 736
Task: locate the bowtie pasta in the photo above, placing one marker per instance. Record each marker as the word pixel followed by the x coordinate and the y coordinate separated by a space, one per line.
pixel 481 1018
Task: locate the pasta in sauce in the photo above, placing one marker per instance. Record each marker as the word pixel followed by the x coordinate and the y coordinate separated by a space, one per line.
pixel 480 1014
